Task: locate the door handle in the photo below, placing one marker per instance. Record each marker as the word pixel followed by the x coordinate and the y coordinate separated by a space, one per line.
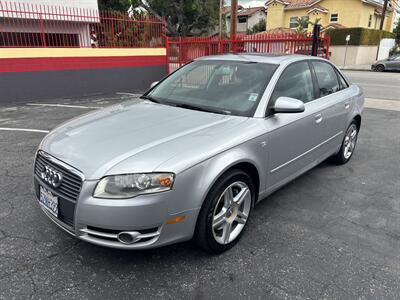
pixel 347 105
pixel 318 118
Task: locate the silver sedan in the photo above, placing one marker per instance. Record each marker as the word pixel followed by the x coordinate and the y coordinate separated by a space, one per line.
pixel 193 156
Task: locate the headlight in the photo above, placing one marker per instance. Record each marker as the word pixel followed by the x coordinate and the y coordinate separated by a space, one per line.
pixel 131 185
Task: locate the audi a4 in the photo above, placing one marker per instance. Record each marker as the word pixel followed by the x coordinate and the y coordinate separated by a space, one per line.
pixel 193 155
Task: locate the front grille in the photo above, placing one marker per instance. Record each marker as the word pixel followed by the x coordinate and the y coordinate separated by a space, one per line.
pixel 71 183
pixel 68 191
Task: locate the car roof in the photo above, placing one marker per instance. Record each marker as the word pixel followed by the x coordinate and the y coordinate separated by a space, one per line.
pixel 260 57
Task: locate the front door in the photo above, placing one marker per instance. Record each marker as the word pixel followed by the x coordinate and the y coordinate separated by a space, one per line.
pixel 292 137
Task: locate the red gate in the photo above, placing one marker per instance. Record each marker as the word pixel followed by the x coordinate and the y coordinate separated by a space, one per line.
pixel 183 50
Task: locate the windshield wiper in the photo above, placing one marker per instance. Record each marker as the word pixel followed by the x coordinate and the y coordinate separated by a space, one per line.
pixel 149 98
pixel 193 107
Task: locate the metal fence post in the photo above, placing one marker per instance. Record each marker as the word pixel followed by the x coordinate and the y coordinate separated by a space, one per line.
pixel 328 43
pixel 180 54
pixel 316 40
pixel 42 30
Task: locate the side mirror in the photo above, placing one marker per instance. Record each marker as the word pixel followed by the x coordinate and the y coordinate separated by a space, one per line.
pixel 288 105
pixel 154 84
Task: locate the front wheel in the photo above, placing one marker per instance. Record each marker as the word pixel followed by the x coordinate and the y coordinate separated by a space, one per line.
pixel 380 68
pixel 348 144
pixel 225 212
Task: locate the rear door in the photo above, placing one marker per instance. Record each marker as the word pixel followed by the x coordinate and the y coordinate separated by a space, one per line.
pixel 334 104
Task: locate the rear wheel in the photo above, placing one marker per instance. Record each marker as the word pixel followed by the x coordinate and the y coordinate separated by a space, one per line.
pixel 348 144
pixel 225 212
pixel 380 68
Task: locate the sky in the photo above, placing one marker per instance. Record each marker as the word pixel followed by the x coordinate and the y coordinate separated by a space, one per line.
pixel 251 3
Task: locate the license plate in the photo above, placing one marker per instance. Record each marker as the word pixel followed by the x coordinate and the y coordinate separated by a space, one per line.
pixel 49 201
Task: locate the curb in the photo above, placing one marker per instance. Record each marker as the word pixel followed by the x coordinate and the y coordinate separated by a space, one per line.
pixel 355 69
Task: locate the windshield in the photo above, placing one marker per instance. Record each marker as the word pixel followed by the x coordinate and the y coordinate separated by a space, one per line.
pixel 228 87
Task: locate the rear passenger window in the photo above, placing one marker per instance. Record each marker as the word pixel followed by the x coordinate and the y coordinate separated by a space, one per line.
pixel 295 82
pixel 328 81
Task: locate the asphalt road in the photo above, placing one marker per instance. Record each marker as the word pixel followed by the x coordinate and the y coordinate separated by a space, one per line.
pixel 376 85
pixel 334 233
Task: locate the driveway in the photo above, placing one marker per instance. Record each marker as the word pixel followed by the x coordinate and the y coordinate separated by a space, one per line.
pixel 332 233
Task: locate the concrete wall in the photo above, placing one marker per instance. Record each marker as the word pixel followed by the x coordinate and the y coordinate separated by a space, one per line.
pixel 43 73
pixel 45 6
pixel 385 46
pixel 356 55
pixel 36 86
pixel 89 4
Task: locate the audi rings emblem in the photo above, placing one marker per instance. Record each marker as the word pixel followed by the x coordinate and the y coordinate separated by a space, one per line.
pixel 51 176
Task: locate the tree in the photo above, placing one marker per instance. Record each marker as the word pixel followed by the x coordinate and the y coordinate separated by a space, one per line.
pixel 259 27
pixel 119 5
pixel 183 17
pixel 316 22
pixel 302 25
pixel 396 30
pixel 396 49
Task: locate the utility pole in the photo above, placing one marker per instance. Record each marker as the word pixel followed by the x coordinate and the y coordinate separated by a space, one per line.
pixel 234 8
pixel 221 8
pixel 385 5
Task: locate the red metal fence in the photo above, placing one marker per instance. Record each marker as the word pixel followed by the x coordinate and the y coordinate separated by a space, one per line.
pixel 28 25
pixel 184 50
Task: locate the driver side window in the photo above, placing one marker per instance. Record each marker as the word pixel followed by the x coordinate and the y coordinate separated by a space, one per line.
pixel 296 82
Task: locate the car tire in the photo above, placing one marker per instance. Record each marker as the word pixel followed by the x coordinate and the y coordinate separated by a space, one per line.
pixel 348 145
pixel 225 212
pixel 380 68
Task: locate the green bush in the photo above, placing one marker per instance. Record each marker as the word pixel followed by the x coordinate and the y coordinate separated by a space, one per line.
pixel 359 36
pixel 394 51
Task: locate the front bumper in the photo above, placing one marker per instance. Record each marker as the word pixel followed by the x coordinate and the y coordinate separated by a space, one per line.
pixel 99 221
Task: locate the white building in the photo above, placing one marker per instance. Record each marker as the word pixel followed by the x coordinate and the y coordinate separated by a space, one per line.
pixel 47 22
pixel 246 18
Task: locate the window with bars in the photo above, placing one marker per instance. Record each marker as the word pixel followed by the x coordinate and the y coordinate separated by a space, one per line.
pixel 370 21
pixel 334 17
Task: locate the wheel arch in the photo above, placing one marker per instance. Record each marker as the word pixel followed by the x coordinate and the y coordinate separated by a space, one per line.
pixel 358 118
pixel 246 164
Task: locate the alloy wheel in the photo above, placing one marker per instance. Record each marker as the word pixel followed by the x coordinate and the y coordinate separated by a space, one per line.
pixel 231 212
pixel 350 141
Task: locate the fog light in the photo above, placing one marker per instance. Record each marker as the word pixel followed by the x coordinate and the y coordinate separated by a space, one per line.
pixel 128 237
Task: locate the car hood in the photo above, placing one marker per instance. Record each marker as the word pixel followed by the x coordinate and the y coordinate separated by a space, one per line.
pixel 136 136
